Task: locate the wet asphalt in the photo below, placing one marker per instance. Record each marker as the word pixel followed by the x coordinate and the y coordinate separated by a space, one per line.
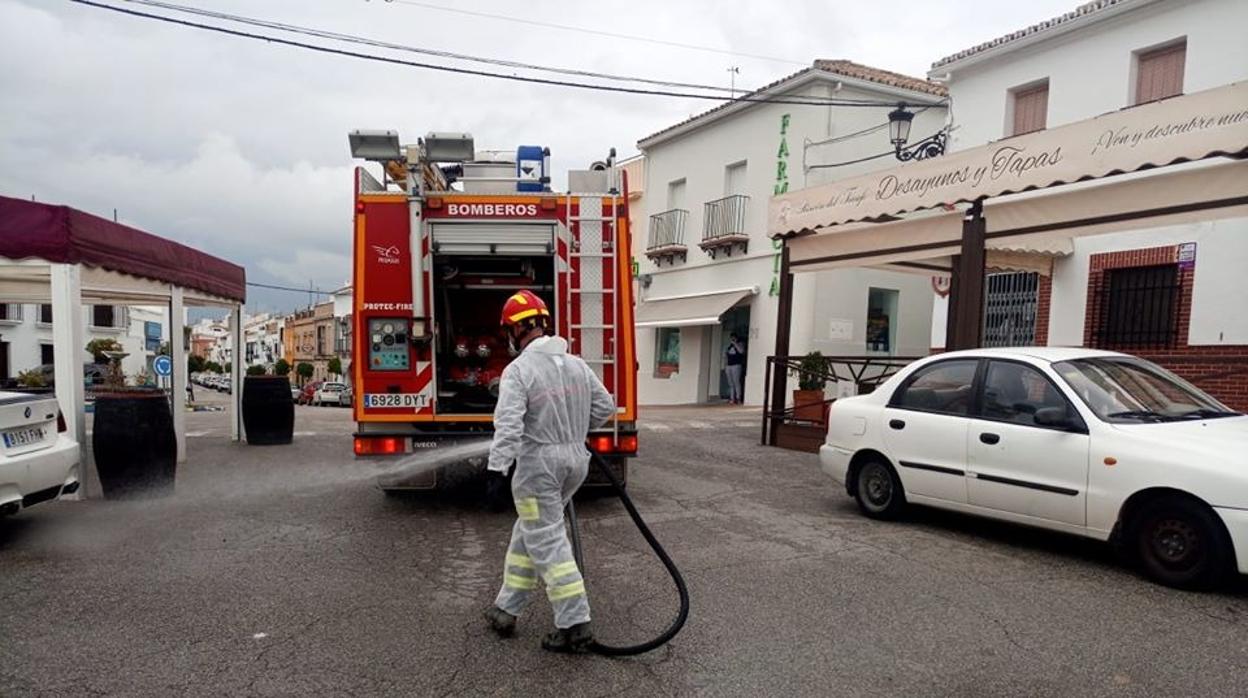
pixel 284 571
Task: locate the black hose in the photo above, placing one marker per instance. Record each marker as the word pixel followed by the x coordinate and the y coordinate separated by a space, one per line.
pixel 681 588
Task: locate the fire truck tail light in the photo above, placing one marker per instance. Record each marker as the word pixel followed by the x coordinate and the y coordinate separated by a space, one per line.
pixel 378 445
pixel 605 444
pixel 359 207
pixel 433 202
pixel 549 204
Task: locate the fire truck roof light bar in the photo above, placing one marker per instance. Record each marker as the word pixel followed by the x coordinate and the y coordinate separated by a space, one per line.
pixel 376 146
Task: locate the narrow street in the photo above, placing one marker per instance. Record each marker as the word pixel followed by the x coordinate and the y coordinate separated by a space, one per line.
pixel 283 571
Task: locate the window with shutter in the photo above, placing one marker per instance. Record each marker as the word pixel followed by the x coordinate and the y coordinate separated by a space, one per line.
pixel 1159 73
pixel 1031 109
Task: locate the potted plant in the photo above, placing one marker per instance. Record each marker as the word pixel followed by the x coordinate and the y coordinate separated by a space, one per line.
pixel 133 441
pixel 809 397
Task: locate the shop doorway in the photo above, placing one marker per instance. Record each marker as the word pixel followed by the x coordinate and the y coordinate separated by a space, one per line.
pixel 735 321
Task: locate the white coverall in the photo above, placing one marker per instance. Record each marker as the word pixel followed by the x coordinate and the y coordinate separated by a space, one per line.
pixel 548 400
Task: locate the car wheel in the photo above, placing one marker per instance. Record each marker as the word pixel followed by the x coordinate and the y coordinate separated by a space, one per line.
pixel 878 490
pixel 1180 543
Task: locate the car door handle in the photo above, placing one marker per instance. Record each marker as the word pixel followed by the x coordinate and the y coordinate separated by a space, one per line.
pixel 897 424
pixel 990 439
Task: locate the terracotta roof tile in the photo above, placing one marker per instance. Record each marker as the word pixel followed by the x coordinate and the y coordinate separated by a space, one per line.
pixel 851 69
pixel 1082 11
pixel 843 68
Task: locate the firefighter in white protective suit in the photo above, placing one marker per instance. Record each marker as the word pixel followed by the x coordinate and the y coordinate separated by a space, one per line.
pixel 548 400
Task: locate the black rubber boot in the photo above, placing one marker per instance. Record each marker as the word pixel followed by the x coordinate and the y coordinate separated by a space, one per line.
pixel 573 640
pixel 500 621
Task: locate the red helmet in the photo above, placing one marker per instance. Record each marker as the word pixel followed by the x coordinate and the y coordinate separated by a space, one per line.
pixel 527 308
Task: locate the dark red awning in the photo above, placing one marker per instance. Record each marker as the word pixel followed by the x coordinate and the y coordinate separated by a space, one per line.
pixel 63 235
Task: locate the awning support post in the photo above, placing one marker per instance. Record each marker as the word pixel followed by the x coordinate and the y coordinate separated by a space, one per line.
pixel 237 356
pixel 68 344
pixel 951 303
pixel 177 354
pixel 968 321
pixel 784 328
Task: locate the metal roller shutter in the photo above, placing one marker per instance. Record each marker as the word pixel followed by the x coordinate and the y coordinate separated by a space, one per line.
pixel 493 238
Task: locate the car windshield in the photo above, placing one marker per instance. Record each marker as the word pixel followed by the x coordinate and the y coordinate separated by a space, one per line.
pixel 1130 390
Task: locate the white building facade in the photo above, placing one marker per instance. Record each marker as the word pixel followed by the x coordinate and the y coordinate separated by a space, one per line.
pixel 26 336
pixel 707 270
pixel 1103 57
pixel 263 340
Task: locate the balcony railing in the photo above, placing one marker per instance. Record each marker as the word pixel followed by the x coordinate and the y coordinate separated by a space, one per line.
pixel 723 224
pixel 667 234
pixel 725 217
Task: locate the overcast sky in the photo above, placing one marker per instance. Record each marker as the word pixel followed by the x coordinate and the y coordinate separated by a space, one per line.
pixel 239 147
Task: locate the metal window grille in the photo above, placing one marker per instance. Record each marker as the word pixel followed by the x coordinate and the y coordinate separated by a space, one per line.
pixel 667 229
pixel 1010 305
pixel 724 217
pixel 1139 307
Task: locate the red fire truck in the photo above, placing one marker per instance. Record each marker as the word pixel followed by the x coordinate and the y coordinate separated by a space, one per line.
pixel 440 243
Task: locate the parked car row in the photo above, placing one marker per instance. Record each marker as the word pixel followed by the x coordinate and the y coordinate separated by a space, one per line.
pixel 216 381
pixel 323 393
pixel 1091 443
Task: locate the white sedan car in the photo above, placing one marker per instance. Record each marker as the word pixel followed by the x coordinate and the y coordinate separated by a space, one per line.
pixel 1093 443
pixel 330 393
pixel 37 459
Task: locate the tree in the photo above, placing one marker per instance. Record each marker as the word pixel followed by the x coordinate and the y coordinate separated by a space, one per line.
pixel 304 370
pixel 282 367
pixel 229 367
pixel 212 367
pixel 256 370
pixel 335 366
pixel 196 364
pixel 98 346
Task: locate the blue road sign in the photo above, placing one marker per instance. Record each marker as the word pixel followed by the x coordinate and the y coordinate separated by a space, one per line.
pixel 162 365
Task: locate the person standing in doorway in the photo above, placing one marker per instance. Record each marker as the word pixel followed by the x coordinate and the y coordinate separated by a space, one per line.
pixel 734 367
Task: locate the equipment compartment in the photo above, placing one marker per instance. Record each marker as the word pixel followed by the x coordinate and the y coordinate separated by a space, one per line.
pixel 471 349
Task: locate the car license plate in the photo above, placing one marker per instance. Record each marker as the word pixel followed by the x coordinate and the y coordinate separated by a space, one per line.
pixel 16 438
pixel 414 400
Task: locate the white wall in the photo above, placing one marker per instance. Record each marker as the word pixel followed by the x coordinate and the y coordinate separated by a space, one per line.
pixel 843 300
pixel 753 135
pixel 25 337
pixel 1090 70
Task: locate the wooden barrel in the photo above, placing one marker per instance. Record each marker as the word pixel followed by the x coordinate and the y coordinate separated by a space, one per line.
pixel 268 411
pixel 136 452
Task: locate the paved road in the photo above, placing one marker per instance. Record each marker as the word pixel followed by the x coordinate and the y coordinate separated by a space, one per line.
pixel 281 571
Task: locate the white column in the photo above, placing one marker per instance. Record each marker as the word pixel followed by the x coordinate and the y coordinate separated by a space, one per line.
pixel 68 344
pixel 236 373
pixel 177 353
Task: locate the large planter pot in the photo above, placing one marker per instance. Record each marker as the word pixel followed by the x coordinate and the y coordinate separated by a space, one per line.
pixel 808 405
pixel 136 452
pixel 268 411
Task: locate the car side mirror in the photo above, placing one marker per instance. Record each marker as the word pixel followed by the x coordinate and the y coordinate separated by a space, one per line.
pixel 1055 417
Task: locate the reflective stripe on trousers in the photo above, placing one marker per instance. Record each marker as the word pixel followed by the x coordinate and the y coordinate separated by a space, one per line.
pixel 539 547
